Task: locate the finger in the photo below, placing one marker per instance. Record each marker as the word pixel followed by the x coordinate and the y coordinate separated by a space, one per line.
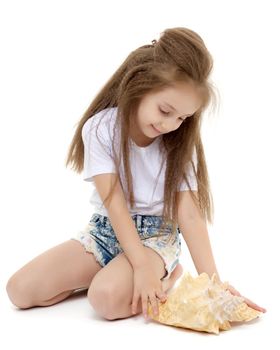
pixel 161 295
pixel 144 305
pixel 154 303
pixel 134 303
pixel 251 304
pixel 233 291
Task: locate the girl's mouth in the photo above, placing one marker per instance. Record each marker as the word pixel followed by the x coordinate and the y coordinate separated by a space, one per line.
pixel 156 130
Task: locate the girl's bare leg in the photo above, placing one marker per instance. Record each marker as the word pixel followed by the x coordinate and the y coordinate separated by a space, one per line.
pixel 52 276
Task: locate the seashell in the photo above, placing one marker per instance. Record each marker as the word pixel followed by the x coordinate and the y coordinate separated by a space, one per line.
pixel 202 304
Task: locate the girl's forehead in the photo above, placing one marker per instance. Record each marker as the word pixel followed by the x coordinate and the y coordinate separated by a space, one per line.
pixel 183 97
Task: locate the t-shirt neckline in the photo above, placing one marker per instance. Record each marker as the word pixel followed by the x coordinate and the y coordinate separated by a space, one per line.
pixel 143 148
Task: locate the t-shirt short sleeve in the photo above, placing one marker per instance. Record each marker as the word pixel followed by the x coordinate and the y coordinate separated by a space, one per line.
pixel 191 176
pixel 97 148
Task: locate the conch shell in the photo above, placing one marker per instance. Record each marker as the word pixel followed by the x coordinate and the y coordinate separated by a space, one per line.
pixel 202 304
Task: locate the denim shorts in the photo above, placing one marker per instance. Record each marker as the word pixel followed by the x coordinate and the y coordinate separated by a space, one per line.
pixel 98 237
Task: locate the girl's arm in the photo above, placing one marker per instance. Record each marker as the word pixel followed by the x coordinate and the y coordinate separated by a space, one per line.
pixel 121 220
pixel 195 234
pixel 194 231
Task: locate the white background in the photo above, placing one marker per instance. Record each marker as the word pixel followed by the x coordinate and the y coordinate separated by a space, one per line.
pixel 55 56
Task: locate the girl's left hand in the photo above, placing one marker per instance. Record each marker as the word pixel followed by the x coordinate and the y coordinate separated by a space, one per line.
pixel 233 291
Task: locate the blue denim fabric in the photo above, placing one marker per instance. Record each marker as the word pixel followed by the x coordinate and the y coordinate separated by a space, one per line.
pixel 98 237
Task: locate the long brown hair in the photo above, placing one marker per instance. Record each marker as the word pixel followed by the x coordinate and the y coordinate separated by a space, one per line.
pixel 179 55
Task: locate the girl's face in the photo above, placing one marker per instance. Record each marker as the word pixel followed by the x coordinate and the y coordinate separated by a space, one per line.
pixel 164 111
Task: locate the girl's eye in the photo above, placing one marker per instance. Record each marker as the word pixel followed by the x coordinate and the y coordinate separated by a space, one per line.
pixel 163 111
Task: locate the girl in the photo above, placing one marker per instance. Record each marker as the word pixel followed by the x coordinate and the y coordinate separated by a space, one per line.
pixel 139 144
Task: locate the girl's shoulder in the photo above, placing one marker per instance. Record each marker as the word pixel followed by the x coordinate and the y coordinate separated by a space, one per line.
pixel 104 118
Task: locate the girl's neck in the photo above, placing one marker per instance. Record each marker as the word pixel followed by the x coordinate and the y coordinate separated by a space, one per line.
pixel 141 140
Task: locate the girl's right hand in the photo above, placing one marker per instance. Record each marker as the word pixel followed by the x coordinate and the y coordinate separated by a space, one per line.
pixel 148 287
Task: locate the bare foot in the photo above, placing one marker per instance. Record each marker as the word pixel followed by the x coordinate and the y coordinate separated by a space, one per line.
pixel 176 273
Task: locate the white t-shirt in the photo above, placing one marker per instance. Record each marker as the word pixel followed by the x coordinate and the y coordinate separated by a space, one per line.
pixel 145 163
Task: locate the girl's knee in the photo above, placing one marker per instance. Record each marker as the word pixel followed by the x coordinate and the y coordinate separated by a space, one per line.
pixel 103 299
pixel 18 292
